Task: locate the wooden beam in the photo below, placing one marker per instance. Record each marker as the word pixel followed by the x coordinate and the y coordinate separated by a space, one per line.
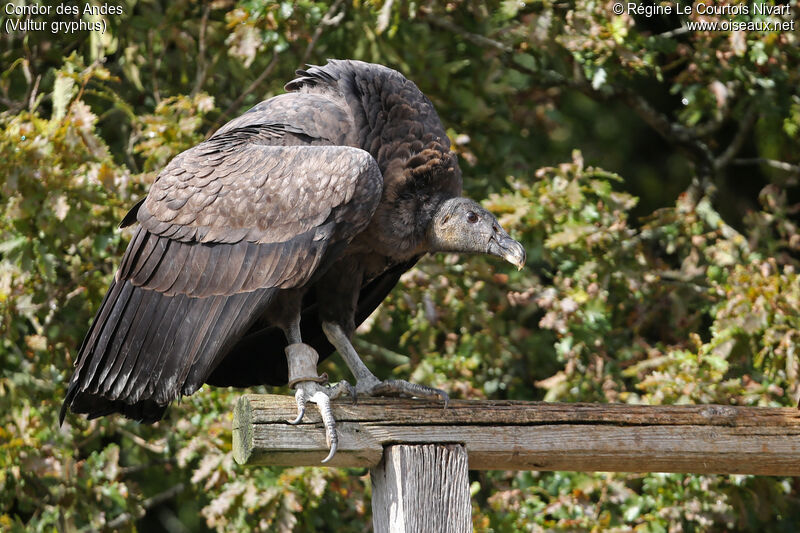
pixel 506 435
pixel 423 487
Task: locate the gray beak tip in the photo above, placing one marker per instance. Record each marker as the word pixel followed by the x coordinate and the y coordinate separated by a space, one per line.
pixel 513 252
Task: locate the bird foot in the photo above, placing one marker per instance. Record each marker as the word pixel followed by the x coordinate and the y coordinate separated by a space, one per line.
pixel 309 387
pixel 366 382
pixel 321 395
pixel 402 388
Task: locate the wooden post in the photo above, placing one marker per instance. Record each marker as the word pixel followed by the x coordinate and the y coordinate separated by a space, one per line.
pixel 418 452
pixel 421 488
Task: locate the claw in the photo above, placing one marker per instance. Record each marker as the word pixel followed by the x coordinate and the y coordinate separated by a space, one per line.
pixel 311 391
pixel 331 437
pixel 332 452
pixel 341 388
pixel 300 398
pixel 354 394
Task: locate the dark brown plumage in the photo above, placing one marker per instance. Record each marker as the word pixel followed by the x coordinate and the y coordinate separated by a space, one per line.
pixel 311 204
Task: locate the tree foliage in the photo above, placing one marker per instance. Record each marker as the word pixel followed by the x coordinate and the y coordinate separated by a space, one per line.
pixel 669 277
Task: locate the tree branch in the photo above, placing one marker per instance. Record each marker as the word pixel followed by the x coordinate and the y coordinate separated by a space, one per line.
pixel 139 441
pixel 712 126
pixel 250 88
pixel 153 501
pixel 673 132
pixel 780 165
pixel 474 38
pixel 330 19
pixel 750 117
pixel 202 64
pixel 32 98
pixel 384 16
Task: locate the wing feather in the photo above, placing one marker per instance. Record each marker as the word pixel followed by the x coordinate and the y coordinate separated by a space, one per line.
pixel 139 248
pixel 188 284
pixel 144 334
pixel 130 351
pixel 111 371
pixel 246 269
pixel 168 272
pixel 234 263
pixel 116 309
pixel 230 325
pixel 161 346
pixel 142 274
pixel 201 337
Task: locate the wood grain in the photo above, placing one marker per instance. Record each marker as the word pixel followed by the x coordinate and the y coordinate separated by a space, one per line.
pixel 507 435
pixel 421 488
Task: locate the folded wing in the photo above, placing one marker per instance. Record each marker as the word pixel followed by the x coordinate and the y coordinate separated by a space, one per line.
pixel 226 224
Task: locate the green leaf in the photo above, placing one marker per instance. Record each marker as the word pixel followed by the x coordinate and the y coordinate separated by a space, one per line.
pixel 63 91
pixel 12 244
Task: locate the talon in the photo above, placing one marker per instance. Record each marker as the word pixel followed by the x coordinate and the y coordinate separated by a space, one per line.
pixel 311 391
pixel 301 411
pixel 331 437
pixel 341 388
pixel 300 398
pixel 445 399
pixel 354 395
pixel 331 453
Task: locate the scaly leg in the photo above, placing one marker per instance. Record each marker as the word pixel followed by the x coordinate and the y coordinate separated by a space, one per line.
pixel 366 382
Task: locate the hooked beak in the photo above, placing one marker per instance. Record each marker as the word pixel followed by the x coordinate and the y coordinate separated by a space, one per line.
pixel 507 248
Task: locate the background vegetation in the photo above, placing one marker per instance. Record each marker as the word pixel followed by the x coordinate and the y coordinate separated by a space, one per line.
pixel 669 277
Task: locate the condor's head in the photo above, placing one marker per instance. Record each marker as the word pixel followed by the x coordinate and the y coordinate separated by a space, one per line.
pixel 462 225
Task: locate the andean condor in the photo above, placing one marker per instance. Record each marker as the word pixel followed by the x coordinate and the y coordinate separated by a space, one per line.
pixel 280 233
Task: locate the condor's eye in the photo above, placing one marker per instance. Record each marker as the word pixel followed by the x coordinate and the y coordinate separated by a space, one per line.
pixel 472 217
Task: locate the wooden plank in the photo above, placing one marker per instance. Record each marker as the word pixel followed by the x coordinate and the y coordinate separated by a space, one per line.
pixel 531 435
pixel 421 488
pixel 269 408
